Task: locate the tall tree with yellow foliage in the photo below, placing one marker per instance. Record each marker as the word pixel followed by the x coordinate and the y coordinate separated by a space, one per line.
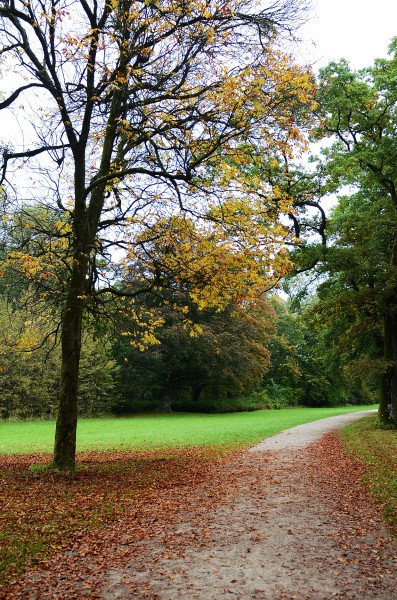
pixel 138 114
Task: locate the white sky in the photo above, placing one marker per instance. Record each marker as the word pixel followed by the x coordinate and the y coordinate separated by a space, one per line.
pixel 358 30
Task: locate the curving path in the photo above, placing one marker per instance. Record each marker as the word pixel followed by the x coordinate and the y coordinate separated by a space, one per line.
pixel 293 521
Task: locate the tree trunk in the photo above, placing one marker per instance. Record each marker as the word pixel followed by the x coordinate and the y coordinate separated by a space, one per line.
pixel 197 390
pixel 165 403
pixel 66 426
pixel 166 396
pixel 85 227
pixel 388 399
pixel 84 232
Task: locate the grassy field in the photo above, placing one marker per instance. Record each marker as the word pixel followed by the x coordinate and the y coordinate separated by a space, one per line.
pixel 163 430
pixel 377 449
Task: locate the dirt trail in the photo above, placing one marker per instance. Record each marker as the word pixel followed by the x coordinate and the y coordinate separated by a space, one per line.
pixel 288 526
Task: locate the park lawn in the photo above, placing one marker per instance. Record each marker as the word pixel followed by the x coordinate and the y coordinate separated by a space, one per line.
pixel 376 448
pixel 174 430
pixel 122 465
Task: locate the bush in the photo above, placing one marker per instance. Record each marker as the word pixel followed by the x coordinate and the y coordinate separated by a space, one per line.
pixel 208 404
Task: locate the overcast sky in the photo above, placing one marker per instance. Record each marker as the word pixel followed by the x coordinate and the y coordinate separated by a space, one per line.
pixel 358 30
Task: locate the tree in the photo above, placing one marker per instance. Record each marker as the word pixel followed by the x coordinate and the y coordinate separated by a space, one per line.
pixel 140 105
pixel 307 364
pixel 351 300
pixel 218 354
pixel 358 110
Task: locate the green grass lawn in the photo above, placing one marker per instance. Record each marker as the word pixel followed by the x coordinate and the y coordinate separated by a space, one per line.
pixel 163 430
pixel 377 449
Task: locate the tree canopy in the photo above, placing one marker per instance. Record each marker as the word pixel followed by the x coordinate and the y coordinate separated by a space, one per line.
pixel 358 110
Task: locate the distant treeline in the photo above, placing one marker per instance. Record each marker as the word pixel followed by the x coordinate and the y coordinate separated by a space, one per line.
pixel 262 356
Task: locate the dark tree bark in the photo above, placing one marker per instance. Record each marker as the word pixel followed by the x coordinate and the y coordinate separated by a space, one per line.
pixel 167 394
pixel 165 402
pixel 197 391
pixel 66 425
pixel 388 399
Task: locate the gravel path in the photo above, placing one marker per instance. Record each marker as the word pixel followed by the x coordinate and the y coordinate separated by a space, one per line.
pixel 275 537
pixel 304 435
pixel 287 526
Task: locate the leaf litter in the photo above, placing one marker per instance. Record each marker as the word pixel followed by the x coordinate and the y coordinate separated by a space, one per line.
pixel 198 524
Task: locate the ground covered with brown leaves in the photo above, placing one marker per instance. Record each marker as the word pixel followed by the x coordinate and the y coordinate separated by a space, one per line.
pixel 270 525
